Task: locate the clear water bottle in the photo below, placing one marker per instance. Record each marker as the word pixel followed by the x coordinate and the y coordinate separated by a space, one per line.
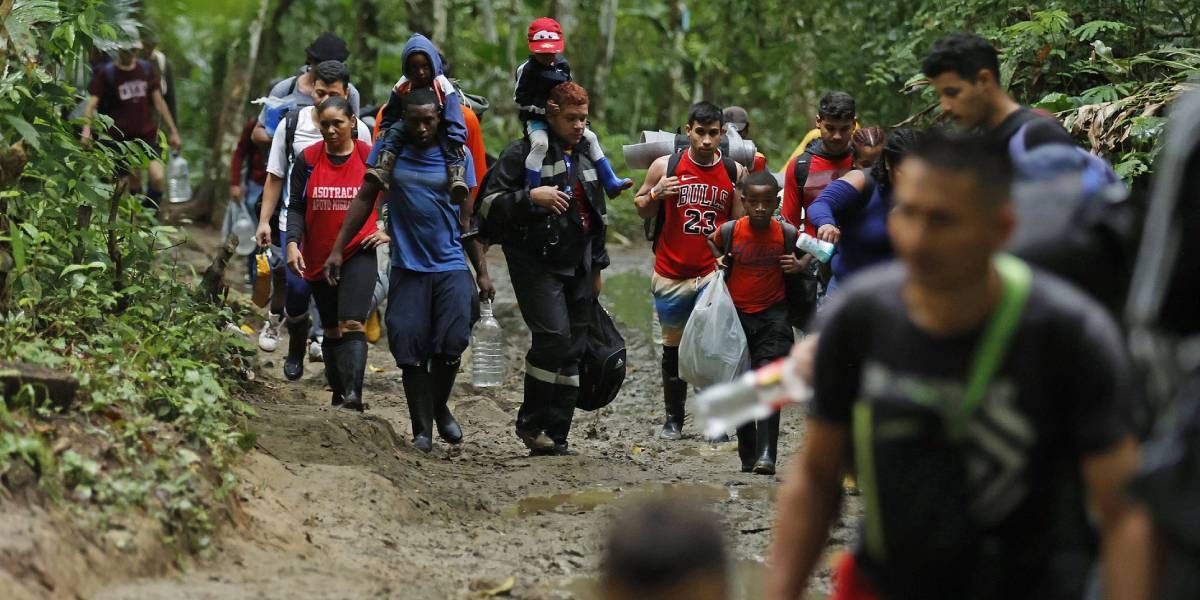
pixel 822 250
pixel 487 349
pixel 177 174
pixel 752 396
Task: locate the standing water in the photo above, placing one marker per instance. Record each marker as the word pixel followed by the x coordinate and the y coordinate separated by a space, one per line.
pixel 487 349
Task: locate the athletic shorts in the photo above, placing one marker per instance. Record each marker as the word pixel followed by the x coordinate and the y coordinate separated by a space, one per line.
pixel 428 315
pixel 674 300
pixel 768 334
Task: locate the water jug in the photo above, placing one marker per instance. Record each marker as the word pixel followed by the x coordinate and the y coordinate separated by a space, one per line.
pixel 180 185
pixel 487 349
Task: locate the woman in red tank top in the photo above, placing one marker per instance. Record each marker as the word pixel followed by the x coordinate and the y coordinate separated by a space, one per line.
pixel 324 182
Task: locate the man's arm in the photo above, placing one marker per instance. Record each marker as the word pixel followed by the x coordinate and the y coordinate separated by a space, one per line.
pixel 655 188
pixel 161 105
pixel 808 502
pixel 476 254
pixel 89 110
pixel 1125 540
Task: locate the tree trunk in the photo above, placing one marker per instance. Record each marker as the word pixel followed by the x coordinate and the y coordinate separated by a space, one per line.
pixel 366 55
pixel 418 17
pixel 487 14
pixel 271 45
pixel 438 10
pixel 563 11
pixel 608 30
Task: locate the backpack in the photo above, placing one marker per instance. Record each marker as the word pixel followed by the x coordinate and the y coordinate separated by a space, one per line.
pixel 800 290
pixel 602 369
pixel 653 227
pixel 1076 219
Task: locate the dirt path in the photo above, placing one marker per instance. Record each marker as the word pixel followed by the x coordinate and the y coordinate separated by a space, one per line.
pixel 340 505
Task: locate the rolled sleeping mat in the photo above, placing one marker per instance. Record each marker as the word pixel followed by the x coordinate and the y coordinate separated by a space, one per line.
pixel 656 144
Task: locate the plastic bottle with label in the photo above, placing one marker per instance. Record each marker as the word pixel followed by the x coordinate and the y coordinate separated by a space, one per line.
pixel 752 396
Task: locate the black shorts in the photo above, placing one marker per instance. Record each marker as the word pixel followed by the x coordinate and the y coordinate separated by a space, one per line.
pixel 768 334
pixel 350 299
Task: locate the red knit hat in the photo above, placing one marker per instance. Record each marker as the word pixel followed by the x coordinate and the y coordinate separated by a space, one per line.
pixel 545 36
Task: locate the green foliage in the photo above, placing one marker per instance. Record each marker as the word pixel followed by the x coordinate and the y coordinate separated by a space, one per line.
pixel 158 423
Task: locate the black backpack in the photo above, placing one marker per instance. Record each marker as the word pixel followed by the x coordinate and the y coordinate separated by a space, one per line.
pixel 602 369
pixel 653 227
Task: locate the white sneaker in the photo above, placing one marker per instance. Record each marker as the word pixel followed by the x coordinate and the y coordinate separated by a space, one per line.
pixel 268 337
pixel 314 351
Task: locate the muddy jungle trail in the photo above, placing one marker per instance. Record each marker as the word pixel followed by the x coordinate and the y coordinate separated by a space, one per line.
pixel 335 504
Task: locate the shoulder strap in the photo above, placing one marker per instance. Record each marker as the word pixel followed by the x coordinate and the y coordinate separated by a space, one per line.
pixel 727 236
pixel 289 136
pixel 673 163
pixel 295 85
pixel 1017 279
pixel 800 173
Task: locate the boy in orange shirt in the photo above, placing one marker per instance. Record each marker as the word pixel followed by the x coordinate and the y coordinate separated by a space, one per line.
pixel 757 252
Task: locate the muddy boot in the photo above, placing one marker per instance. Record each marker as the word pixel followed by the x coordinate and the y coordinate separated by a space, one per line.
pixel 674 394
pixel 532 415
pixel 418 391
pixel 747 448
pixel 768 445
pixel 332 375
pixel 380 175
pixel 561 413
pixel 458 184
pixel 351 364
pixel 293 365
pixel 443 383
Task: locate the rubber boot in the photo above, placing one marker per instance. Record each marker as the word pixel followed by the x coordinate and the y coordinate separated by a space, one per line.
pixel 418 392
pixel 293 365
pixel 381 174
pixel 674 394
pixel 747 448
pixel 332 374
pixel 458 183
pixel 443 383
pixel 532 416
pixel 561 413
pixel 351 365
pixel 768 445
pixel 613 185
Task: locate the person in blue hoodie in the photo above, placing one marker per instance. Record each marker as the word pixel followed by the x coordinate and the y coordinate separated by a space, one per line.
pixel 545 69
pixel 423 70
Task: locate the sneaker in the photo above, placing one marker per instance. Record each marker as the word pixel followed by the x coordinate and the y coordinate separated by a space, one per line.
pixel 372 328
pixel 268 337
pixel 314 351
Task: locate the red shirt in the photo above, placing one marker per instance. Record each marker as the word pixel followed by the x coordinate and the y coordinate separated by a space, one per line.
pixel 126 98
pixel 249 154
pixel 821 172
pixel 705 201
pixel 327 197
pixel 755 278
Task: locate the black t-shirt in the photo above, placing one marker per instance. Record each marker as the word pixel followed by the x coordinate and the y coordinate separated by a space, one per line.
pixel 1000 513
pixel 1041 130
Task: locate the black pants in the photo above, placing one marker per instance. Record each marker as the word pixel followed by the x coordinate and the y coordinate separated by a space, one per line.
pixel 350 299
pixel 558 311
pixel 768 334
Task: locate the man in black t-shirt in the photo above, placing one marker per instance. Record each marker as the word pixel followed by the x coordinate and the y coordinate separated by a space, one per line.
pixel 970 491
pixel 965 70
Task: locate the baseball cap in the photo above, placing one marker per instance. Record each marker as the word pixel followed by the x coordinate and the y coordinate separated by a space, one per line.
pixel 545 36
pixel 328 46
pixel 738 117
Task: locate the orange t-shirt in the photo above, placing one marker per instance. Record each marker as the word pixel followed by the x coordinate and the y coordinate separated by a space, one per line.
pixel 755 277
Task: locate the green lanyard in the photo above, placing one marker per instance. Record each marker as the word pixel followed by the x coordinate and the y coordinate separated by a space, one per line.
pixel 1016 278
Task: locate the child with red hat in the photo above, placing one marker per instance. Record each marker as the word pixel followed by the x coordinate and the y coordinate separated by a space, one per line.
pixel 545 69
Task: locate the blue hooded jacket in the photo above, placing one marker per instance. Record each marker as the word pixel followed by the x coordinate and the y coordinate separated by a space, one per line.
pixel 452 114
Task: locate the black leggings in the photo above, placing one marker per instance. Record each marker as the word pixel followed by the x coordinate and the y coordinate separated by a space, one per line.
pixel 350 300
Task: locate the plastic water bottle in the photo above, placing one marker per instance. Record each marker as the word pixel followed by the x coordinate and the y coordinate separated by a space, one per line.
pixel 752 396
pixel 243 227
pixel 180 185
pixel 487 349
pixel 822 250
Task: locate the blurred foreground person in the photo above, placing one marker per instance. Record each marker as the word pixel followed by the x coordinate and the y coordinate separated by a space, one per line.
pixel 986 406
pixel 666 550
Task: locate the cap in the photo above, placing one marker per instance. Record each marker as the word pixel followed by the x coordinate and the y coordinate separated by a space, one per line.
pixel 738 117
pixel 545 36
pixel 328 46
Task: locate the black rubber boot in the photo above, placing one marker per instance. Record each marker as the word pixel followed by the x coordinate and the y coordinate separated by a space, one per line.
pixel 443 383
pixel 747 448
pixel 532 416
pixel 418 392
pixel 674 394
pixel 351 365
pixel 293 365
pixel 381 174
pixel 768 445
pixel 332 375
pixel 561 413
pixel 458 183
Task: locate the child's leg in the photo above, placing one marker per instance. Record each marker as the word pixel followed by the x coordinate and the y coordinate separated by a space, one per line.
pixel 613 185
pixel 389 144
pixel 456 168
pixel 539 145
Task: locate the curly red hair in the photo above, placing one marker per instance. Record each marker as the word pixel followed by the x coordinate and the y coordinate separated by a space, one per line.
pixel 569 93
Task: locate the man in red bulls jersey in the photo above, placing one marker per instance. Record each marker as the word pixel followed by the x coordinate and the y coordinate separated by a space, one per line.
pixel 689 195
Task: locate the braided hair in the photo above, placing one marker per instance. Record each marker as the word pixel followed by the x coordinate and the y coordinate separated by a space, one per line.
pixel 899 142
pixel 867 137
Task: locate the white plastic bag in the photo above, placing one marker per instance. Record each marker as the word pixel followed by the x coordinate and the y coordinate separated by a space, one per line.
pixel 713 348
pixel 238 220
